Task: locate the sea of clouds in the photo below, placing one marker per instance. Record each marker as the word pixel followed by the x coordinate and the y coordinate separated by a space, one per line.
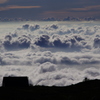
pixel 50 54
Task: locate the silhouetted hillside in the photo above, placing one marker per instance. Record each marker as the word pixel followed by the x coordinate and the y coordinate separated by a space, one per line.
pixel 87 90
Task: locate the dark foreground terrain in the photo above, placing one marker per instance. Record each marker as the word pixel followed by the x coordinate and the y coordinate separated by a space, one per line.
pixel 88 90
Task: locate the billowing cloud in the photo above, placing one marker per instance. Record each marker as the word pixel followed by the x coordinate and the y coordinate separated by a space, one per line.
pixel 21 42
pixel 29 27
pixel 49 76
pixel 57 41
pixel 53 36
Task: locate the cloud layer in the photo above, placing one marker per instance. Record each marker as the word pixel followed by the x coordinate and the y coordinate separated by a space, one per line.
pixel 51 54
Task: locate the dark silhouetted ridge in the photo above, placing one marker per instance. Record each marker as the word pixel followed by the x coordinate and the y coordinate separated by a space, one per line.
pixel 87 90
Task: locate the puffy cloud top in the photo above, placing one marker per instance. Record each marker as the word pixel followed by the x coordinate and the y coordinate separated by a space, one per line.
pixel 20 42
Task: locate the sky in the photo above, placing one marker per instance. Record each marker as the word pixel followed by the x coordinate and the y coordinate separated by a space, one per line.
pixel 38 9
